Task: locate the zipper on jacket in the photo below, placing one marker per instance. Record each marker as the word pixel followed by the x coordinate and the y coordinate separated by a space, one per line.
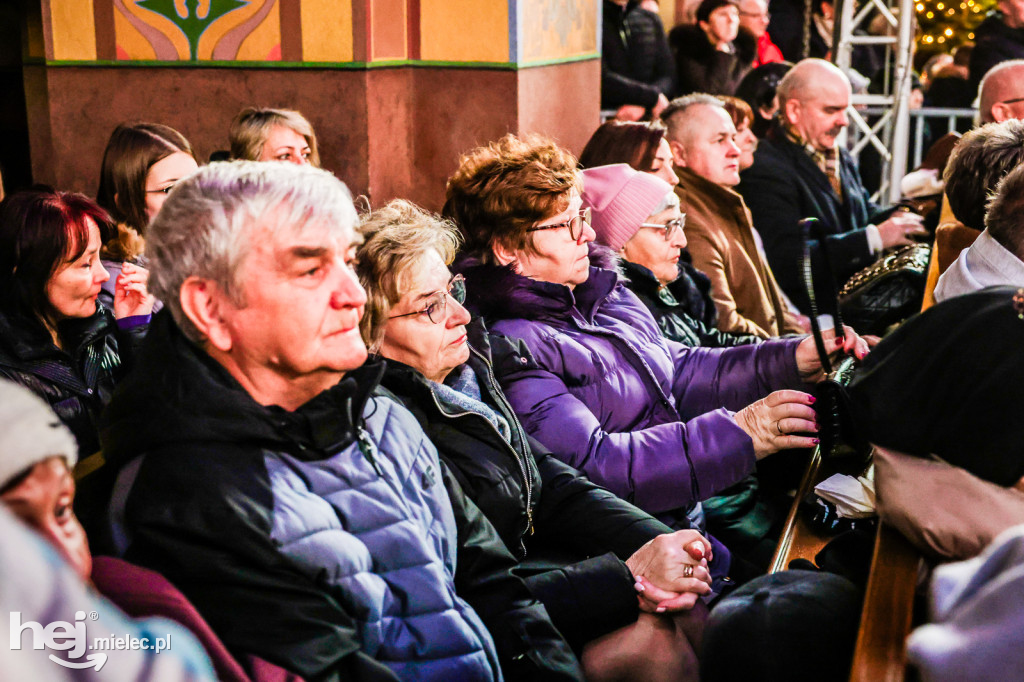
pixel 367 447
pixel 515 455
pixel 524 465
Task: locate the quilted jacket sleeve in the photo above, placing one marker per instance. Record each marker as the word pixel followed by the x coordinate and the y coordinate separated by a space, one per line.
pixel 221 556
pixel 658 468
pixel 708 378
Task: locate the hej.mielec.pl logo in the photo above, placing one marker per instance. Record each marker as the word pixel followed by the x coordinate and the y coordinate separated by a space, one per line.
pixel 72 639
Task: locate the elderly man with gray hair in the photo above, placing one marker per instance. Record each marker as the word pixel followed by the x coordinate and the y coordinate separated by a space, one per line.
pixel 262 471
pixel 800 172
pixel 984 184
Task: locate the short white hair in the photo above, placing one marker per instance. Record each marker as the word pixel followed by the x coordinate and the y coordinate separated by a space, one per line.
pixel 670 200
pixel 206 227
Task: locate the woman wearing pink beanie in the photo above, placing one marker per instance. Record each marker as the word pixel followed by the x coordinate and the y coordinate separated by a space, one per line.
pixel 636 215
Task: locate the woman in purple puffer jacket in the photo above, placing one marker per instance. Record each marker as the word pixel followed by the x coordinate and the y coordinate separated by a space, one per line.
pixel 659 424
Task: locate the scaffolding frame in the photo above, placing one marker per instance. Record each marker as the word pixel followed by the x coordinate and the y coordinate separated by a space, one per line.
pixel 890 134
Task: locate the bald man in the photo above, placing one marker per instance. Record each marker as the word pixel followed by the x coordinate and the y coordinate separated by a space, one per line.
pixel 799 172
pixel 1001 95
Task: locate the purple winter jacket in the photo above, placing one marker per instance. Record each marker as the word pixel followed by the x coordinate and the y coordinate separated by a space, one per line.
pixel 645 417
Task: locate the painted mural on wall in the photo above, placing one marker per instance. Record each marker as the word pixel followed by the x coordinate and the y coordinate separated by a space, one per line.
pixel 556 29
pixel 198 30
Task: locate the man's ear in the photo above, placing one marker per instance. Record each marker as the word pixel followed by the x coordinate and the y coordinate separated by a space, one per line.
pixel 1001 112
pixel 203 303
pixel 791 111
pixel 678 153
pixel 503 254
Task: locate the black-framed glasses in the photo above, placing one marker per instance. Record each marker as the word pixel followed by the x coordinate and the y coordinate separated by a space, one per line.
pixel 575 225
pixel 672 228
pixel 437 304
pixel 1012 101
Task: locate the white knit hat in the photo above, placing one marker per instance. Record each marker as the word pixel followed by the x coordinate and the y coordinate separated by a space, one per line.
pixel 29 432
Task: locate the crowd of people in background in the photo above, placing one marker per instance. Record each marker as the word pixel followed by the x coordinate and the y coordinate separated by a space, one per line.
pixel 544 433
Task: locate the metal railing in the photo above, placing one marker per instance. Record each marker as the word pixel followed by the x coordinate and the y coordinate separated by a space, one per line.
pixel 882 120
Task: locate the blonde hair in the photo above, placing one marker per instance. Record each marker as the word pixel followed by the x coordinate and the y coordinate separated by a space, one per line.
pixel 395 239
pixel 250 128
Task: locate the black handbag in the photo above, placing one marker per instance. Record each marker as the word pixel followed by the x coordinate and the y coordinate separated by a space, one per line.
pixel 836 430
pixel 887 292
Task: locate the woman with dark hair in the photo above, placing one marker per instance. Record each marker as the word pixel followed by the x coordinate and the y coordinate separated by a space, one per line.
pixel 54 337
pixel 683 306
pixel 742 117
pixel 141 164
pixel 757 89
pixel 640 144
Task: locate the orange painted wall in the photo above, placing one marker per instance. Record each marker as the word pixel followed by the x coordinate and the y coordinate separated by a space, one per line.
pixel 561 101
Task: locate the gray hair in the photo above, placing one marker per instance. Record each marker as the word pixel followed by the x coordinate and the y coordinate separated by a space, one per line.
pixel 979 161
pixel 670 200
pixel 677 119
pixel 1005 217
pixel 206 227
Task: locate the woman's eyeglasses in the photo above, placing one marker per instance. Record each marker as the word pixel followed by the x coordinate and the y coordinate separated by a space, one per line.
pixel 438 302
pixel 575 225
pixel 672 229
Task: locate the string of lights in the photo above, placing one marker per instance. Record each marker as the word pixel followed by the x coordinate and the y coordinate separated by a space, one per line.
pixel 945 24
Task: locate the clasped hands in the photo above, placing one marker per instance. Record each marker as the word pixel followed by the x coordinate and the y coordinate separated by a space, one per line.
pixel 671 571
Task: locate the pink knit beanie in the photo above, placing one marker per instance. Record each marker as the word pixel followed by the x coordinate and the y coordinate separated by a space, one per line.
pixel 620 198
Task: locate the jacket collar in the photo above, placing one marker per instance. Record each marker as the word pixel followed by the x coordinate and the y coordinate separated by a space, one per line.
pixel 692 184
pixel 808 172
pixel 643 282
pixel 178 395
pixel 27 339
pixel 497 292
pixel 640 278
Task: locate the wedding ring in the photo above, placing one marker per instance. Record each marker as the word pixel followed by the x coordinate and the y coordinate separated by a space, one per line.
pixel 687 571
pixel 779 428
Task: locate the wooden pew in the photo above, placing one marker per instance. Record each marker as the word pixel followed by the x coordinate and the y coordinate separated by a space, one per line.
pixel 880 654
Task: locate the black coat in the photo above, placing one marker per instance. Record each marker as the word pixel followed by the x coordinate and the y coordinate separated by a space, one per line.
pixel 572 534
pixel 994 42
pixel 783 186
pixel 636 65
pixel 76 382
pixel 702 68
pixel 675 323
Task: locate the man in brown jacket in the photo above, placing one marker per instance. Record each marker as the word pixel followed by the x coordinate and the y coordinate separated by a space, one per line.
pixel 721 237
